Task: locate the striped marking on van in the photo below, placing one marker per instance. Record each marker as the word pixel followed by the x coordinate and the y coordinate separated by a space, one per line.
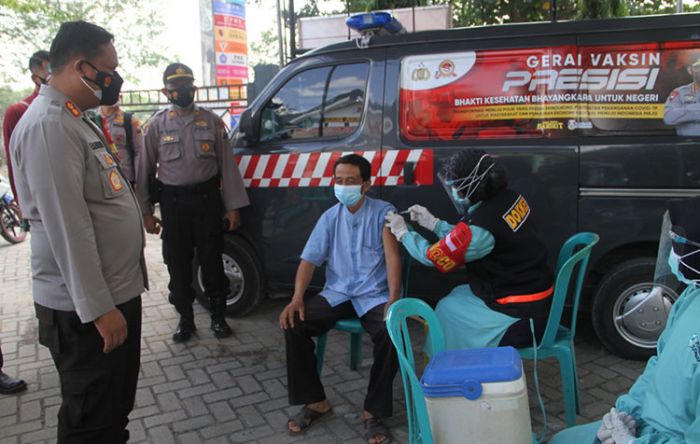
pixel 293 170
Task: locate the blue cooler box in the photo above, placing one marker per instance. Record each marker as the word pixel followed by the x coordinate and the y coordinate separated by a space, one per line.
pixel 477 396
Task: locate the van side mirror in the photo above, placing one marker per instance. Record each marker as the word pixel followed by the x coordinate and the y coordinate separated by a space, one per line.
pixel 246 128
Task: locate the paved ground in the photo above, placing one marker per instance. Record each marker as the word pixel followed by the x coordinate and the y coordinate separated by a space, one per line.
pixel 234 390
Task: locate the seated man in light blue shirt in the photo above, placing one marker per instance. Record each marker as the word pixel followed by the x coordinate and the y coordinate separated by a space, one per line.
pixel 363 278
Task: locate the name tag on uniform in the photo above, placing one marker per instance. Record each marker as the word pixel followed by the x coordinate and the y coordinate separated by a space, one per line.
pixel 201 124
pixel 96 145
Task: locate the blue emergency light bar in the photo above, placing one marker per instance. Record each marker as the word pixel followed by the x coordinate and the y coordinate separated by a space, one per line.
pixel 372 21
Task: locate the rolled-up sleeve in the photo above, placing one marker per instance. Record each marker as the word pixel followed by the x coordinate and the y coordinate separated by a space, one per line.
pixel 318 244
pixel 55 168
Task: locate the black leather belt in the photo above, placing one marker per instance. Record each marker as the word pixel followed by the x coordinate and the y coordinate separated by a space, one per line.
pixel 198 188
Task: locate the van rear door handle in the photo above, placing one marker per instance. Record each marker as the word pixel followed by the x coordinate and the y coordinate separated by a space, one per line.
pixel 408 169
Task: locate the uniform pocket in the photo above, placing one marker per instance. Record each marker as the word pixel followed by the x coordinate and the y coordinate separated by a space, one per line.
pixel 48 329
pixel 87 399
pixel 204 144
pixel 169 147
pixel 113 183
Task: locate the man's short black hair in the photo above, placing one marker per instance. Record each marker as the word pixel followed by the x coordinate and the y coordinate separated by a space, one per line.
pixel 77 39
pixel 37 59
pixel 360 162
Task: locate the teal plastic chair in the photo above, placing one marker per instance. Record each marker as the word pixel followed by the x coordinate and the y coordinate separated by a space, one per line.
pixel 419 431
pixel 354 327
pixel 558 341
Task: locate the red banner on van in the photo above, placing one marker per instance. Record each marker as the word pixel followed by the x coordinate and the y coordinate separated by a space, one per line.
pixel 552 92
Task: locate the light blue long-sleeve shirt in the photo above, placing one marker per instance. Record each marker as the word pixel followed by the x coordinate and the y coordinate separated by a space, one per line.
pixel 352 247
pixel 481 245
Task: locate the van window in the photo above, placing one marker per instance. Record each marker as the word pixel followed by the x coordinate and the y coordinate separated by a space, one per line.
pixel 320 102
pixel 293 112
pixel 345 100
pixel 558 91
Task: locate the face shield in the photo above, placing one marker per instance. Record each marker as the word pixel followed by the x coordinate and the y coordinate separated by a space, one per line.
pixel 641 315
pixel 461 190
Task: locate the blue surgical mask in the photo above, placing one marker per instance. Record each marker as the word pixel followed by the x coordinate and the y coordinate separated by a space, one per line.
pixel 674 261
pixel 348 195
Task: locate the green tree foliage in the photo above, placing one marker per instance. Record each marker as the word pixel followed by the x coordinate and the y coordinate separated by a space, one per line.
pixel 488 12
pixel 31 24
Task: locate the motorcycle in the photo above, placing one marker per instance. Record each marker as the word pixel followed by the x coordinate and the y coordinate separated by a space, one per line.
pixel 12 227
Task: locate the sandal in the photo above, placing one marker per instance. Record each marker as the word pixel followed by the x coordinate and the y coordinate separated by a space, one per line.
pixel 374 427
pixel 305 418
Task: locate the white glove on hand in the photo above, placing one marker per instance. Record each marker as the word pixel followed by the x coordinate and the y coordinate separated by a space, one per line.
pixel 607 427
pixel 621 433
pixel 421 215
pixel 396 224
pixel 604 433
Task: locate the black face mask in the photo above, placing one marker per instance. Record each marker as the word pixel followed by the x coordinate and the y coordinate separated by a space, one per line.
pixel 182 96
pixel 43 80
pixel 110 86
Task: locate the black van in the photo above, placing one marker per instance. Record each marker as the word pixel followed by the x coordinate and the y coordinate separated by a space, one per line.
pixel 593 120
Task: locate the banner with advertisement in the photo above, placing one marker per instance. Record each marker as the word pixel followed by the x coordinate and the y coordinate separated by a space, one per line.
pixel 557 91
pixel 231 48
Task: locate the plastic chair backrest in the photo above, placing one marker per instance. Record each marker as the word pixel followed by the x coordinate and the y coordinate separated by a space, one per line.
pixel 397 326
pixel 566 263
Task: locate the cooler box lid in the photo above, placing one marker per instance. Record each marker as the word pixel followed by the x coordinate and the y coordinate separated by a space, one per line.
pixel 461 372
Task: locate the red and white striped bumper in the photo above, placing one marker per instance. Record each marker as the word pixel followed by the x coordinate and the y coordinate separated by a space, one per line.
pixel 316 169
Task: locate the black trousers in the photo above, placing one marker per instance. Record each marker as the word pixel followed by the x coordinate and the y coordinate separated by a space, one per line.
pixel 1 359
pixel 192 221
pixel 303 382
pixel 98 389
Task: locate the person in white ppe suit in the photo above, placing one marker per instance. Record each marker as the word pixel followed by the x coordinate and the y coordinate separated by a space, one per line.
pixel 507 279
pixel 663 405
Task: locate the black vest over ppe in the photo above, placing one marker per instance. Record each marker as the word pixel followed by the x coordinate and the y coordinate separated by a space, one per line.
pixel 517 265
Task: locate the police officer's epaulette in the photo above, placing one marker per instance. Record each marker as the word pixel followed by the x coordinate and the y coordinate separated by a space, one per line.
pixel 156 115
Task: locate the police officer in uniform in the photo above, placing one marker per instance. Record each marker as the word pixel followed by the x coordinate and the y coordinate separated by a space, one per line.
pixel 201 183
pixel 682 108
pixel 87 238
pixel 125 132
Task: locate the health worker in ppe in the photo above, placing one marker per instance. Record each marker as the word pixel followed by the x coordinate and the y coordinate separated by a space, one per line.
pixel 507 279
pixel 663 405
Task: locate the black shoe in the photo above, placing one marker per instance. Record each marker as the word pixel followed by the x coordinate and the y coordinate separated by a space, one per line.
pixel 184 330
pixel 221 328
pixel 9 385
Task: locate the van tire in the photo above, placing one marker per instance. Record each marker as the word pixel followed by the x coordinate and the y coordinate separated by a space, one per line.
pixel 244 271
pixel 618 291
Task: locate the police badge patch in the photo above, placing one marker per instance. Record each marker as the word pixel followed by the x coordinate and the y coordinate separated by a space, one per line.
pixel 694 345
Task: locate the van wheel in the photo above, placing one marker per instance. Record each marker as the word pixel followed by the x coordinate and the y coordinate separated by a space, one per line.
pixel 625 327
pixel 244 274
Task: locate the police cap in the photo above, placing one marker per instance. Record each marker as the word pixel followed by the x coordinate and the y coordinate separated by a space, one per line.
pixel 177 71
